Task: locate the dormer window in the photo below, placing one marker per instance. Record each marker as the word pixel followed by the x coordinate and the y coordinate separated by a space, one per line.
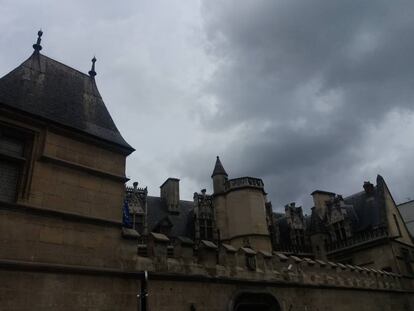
pixel 206 229
pixel 339 231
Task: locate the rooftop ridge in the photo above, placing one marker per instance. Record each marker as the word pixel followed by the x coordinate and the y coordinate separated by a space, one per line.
pixel 61 64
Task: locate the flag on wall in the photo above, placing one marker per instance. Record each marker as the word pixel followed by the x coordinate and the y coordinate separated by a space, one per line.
pixel 126 218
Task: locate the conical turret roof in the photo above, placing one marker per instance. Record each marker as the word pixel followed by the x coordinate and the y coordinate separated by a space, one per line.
pixel 55 92
pixel 218 168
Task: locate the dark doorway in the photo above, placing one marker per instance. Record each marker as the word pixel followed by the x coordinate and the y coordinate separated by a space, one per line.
pixel 250 301
pixel 252 307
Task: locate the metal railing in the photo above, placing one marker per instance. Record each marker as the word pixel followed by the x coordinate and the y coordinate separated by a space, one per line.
pixel 359 238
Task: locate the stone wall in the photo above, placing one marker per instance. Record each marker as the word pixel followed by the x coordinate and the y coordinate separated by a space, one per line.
pixel 78 177
pixel 41 291
pixel 173 295
pixel 241 214
pixel 27 235
pixel 38 291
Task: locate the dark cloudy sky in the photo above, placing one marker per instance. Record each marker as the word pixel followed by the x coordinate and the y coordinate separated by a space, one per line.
pixel 304 94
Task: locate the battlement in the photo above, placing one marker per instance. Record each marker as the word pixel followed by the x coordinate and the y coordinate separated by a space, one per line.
pixel 138 189
pixel 242 182
pixel 207 259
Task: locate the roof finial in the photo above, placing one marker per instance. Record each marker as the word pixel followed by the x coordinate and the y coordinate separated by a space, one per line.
pixel 37 47
pixel 92 72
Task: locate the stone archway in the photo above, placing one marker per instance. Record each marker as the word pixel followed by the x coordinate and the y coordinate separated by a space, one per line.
pixel 255 301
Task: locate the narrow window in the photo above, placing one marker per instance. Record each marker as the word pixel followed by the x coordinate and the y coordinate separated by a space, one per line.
pixel 209 231
pixel 397 224
pixel 343 232
pixel 407 260
pixel 11 164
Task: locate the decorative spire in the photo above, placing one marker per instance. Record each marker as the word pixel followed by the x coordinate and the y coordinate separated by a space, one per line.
pixel 37 47
pixel 92 72
pixel 218 168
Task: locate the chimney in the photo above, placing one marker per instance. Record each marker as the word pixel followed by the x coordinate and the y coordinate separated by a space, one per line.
pixel 319 200
pixel 368 187
pixel 170 194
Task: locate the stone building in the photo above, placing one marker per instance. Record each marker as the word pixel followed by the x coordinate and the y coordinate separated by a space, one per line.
pixel 364 229
pixel 73 237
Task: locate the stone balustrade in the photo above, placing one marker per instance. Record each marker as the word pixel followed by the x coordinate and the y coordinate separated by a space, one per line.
pixel 363 237
pixel 243 182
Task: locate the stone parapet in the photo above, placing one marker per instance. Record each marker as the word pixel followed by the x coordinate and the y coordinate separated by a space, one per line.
pixel 224 261
pixel 243 182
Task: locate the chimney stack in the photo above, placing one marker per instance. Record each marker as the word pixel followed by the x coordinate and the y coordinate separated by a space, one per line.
pixel 170 194
pixel 319 200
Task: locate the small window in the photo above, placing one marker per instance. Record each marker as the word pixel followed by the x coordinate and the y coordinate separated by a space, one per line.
pixel 405 254
pixel 206 229
pixel 12 163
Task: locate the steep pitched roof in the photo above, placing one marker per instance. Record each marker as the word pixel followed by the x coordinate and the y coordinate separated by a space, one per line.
pixel 218 168
pixel 55 92
pixel 369 208
pixel 181 223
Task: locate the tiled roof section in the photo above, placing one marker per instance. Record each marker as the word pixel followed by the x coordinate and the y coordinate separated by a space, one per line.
pixel 55 92
pixel 160 237
pixel 208 244
pixel 218 168
pixel 181 223
pixel 229 248
pixel 367 210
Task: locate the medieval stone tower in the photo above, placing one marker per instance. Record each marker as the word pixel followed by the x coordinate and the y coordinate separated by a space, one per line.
pixel 240 210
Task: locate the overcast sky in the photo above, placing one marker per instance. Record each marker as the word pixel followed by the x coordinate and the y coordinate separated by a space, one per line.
pixel 303 94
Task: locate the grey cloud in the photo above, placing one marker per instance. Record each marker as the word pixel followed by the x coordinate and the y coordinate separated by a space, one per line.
pixel 318 75
pixel 305 94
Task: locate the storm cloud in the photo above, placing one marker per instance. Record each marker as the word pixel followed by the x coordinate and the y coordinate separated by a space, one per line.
pixel 312 92
pixel 304 94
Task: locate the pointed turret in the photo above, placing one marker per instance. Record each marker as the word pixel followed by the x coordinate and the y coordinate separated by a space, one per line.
pixel 218 168
pixel 219 176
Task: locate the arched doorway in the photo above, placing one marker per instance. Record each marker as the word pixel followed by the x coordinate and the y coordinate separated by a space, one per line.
pixel 255 301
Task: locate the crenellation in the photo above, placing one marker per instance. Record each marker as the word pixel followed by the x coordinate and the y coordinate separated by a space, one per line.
pixel 158 248
pixel 207 254
pixel 276 268
pixel 227 255
pixel 184 249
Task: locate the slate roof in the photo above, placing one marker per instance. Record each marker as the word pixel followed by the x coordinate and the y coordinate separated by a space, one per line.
pixel 218 168
pixel 55 92
pixel 368 211
pixel 182 223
